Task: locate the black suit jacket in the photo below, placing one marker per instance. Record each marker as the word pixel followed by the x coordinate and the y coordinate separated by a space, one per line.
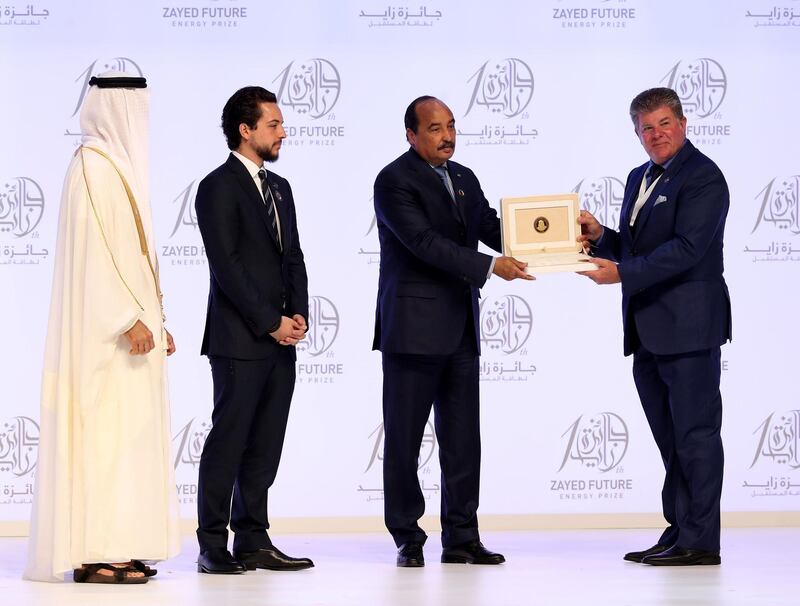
pixel 253 283
pixel 430 269
pixel 671 262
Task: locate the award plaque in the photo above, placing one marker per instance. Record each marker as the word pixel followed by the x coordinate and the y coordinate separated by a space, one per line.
pixel 542 231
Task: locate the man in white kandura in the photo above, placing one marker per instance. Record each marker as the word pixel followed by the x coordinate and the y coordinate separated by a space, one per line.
pixel 105 498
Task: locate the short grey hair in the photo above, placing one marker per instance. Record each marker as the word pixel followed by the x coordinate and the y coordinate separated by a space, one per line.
pixel 652 99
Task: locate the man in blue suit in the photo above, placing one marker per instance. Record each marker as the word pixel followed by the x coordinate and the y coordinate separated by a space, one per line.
pixel 676 314
pixel 431 213
pixel 257 310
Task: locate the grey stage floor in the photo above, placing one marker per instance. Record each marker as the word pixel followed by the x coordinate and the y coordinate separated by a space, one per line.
pixel 759 566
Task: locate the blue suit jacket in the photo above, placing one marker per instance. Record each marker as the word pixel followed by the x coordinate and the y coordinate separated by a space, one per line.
pixel 430 269
pixel 671 263
pixel 253 283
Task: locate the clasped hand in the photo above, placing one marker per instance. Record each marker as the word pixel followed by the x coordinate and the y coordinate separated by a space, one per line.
pixel 291 330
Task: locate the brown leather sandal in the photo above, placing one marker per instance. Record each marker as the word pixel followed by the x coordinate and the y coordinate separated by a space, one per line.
pixel 121 575
pixel 140 566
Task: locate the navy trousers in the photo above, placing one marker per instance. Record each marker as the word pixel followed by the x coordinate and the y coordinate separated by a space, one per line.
pixel 411 385
pixel 682 402
pixel 241 455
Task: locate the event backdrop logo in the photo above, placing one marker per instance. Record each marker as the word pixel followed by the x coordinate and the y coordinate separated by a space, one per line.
pixel 310 88
pixel 97 67
pixel 21 206
pixel 400 16
pixel 778 213
pixel 779 439
pixel 505 87
pixel 188 444
pixel 780 204
pixel 601 196
pixel 186 214
pixel 187 248
pixel 776 457
pixel 373 490
pixel 701 85
pixel 323 326
pixel 370 251
pixel 500 96
pixel 19 445
pixel 577 16
pixel 597 442
pixel 426 450
pixel 189 440
pixel 505 323
pixel 215 15
pixel 29 14
pixel 373 225
pixel 774 16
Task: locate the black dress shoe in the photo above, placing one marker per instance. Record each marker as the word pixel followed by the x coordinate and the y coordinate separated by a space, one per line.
pixel 678 556
pixel 410 555
pixel 638 556
pixel 470 553
pixel 218 561
pixel 272 558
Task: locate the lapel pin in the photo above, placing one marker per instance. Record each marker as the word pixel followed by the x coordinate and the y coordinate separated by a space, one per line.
pixel 461 192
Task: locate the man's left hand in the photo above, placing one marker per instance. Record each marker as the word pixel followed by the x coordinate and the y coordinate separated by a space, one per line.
pixel 170 344
pixel 606 272
pixel 301 321
pixel 300 330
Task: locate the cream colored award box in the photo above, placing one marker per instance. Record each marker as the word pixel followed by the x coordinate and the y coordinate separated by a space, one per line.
pixel 542 231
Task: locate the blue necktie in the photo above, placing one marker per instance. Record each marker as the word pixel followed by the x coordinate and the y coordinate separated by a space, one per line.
pixel 654 173
pixel 442 172
pixel 269 202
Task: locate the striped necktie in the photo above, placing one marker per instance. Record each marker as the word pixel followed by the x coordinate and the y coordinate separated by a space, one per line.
pixel 269 202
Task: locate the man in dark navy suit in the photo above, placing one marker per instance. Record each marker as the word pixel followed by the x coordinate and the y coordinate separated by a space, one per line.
pixel 431 213
pixel 676 313
pixel 257 310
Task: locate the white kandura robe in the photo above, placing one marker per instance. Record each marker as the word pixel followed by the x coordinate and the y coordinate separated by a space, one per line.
pixel 105 488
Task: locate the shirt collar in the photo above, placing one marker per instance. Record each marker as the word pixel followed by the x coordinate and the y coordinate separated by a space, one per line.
pixel 251 166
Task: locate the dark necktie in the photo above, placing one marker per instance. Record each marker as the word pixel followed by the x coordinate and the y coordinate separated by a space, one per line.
pixel 269 202
pixel 442 172
pixel 653 174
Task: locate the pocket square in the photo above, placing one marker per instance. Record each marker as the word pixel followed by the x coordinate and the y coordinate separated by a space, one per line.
pixel 660 200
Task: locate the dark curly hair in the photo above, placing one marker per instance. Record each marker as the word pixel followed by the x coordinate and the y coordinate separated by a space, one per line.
pixel 244 107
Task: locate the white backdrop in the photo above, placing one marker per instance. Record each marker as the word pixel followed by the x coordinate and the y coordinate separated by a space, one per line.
pixel 540 91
